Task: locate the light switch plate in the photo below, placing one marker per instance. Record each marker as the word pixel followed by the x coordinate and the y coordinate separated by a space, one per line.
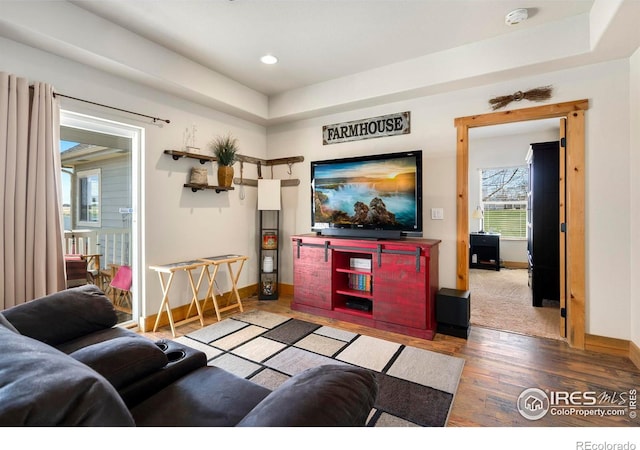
pixel 437 213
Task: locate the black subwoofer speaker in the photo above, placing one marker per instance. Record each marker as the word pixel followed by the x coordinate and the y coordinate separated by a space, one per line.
pixel 453 312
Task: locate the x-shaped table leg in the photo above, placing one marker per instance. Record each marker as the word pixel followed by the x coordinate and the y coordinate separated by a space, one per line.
pixel 165 303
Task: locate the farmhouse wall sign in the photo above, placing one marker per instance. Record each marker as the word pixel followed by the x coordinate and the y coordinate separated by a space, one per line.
pixel 374 127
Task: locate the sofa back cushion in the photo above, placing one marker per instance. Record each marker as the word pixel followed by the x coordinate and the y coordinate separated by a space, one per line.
pixel 323 396
pixel 64 315
pixel 41 386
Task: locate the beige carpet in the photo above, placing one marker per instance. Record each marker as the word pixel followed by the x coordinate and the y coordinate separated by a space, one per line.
pixel 502 300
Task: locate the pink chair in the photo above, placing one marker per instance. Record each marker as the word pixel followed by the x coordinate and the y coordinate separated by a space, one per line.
pixel 121 285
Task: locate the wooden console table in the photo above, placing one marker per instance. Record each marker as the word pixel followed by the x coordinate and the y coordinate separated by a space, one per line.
pixel 166 274
pixel 390 285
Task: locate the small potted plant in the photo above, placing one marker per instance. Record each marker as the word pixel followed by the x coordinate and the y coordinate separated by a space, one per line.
pixel 225 149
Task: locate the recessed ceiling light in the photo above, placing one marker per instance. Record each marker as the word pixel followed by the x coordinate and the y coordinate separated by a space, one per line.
pixel 269 59
pixel 516 16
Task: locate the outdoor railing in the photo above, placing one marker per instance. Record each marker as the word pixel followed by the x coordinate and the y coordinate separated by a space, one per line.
pixel 112 244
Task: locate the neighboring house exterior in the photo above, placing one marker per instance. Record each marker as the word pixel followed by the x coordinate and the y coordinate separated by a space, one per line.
pixel 98 217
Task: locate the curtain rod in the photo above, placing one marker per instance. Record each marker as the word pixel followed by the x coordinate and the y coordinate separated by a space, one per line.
pixel 155 119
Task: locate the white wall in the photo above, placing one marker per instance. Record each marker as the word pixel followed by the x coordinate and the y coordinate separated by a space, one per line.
pixel 178 224
pixel 606 86
pixel 634 171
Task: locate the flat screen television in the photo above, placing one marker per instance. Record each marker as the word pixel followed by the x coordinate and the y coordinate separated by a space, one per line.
pixel 373 196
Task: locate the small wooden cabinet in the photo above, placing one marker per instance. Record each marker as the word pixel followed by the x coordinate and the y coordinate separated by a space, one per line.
pixel 388 284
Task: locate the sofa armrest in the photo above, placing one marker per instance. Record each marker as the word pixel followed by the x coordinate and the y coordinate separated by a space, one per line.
pixel 41 386
pixel 64 315
pixel 182 360
pixel 123 360
pixel 324 396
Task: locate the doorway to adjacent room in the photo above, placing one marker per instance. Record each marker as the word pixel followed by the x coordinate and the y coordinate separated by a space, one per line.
pixel 572 213
pixel 500 211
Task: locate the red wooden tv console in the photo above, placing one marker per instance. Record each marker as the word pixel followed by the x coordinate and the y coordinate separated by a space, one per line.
pixel 386 284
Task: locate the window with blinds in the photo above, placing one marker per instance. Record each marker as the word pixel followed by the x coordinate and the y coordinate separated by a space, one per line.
pixel 504 201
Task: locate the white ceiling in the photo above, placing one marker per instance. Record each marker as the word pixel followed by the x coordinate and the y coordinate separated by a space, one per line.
pixel 317 41
pixel 335 55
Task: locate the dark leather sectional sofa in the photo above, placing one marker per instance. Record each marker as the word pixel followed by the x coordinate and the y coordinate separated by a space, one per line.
pixel 64 362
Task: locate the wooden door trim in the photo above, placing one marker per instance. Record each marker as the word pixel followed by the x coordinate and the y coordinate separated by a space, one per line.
pixel 575 202
pixel 563 218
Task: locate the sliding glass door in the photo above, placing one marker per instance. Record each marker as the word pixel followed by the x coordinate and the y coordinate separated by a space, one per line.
pixel 100 181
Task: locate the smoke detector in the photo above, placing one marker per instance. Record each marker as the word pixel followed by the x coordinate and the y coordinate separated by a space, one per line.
pixel 516 16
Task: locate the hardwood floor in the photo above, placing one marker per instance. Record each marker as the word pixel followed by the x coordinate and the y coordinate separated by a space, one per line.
pixel 498 367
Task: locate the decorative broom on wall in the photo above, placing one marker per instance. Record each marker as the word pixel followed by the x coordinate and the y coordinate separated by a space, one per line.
pixel 535 95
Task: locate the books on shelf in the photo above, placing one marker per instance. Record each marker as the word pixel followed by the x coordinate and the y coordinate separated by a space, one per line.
pixel 360 263
pixel 360 282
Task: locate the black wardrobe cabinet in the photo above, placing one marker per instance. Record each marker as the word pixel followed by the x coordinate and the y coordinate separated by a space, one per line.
pixel 543 204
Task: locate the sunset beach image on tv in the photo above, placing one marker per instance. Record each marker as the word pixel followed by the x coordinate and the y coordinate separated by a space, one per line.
pixel 371 193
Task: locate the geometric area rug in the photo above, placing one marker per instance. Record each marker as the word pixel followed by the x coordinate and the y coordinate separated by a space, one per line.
pixel 416 386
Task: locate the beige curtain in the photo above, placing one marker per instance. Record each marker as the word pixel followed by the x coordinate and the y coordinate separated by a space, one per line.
pixel 31 260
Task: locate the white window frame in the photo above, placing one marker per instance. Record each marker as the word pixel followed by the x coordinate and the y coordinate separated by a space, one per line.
pixel 484 203
pixel 82 174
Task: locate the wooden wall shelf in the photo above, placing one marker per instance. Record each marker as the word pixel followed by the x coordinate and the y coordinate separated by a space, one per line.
pixel 254 183
pixel 177 154
pixel 202 187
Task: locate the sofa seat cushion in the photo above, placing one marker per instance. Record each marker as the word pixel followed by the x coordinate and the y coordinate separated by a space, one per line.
pixel 41 386
pixel 123 360
pixel 324 396
pixel 207 397
pixel 64 315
